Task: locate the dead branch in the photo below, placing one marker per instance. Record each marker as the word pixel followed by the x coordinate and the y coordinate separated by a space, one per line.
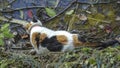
pixel 17 9
pixel 22 22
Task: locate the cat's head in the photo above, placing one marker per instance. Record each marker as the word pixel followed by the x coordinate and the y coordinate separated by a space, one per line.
pixel 33 22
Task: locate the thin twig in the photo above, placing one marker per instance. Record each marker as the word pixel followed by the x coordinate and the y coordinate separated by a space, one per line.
pixel 61 12
pixel 57 3
pixel 17 9
pixel 22 22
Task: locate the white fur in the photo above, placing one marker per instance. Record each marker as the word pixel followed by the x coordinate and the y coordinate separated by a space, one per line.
pixel 40 30
pixel 50 33
pixel 69 45
pixel 38 22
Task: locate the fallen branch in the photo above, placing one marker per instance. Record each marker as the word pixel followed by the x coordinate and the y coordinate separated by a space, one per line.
pixel 17 9
pixel 22 22
pixel 21 48
pixel 61 11
pixel 98 20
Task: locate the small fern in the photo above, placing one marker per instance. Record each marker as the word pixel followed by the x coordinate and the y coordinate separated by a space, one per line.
pixel 5 33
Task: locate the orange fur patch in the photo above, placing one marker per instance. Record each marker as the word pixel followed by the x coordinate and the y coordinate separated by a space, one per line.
pixel 28 26
pixel 42 36
pixel 34 35
pixel 76 42
pixel 62 39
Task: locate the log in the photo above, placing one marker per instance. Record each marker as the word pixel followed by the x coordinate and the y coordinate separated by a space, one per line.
pixel 12 20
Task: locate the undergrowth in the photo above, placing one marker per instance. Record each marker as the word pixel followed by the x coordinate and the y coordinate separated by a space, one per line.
pixel 83 57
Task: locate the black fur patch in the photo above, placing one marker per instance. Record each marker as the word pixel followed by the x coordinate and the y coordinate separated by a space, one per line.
pixel 34 19
pixel 45 42
pixel 37 40
pixel 81 39
pixel 52 44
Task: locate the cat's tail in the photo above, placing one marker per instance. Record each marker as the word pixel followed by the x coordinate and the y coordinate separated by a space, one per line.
pixel 80 41
pixel 107 43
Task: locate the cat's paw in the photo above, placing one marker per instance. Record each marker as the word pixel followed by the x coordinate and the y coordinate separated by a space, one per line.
pixel 32 52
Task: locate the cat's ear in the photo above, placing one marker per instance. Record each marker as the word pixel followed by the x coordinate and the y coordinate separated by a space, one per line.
pixel 39 22
pixel 36 21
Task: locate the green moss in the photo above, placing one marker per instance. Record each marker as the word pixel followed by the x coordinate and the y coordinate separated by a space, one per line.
pixel 95 19
pixel 92 61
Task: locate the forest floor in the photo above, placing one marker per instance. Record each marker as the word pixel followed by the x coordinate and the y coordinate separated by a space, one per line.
pixel 79 58
pixel 99 18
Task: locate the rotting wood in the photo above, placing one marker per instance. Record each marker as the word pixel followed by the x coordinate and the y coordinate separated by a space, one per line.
pixel 22 22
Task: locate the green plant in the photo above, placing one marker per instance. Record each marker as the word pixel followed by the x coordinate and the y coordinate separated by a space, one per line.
pixel 50 12
pixel 5 34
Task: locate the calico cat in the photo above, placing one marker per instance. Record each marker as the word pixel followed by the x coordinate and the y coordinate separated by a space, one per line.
pixel 44 39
